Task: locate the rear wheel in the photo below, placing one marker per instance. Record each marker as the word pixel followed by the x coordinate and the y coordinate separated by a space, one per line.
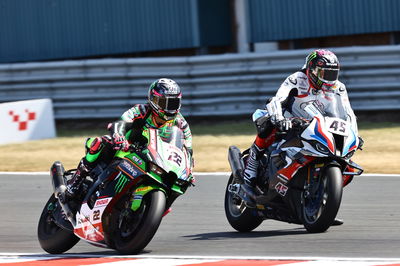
pixel 321 200
pixel 52 238
pixel 134 229
pixel 240 217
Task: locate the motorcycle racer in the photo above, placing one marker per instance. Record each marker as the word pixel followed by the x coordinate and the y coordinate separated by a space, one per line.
pixel 315 82
pixel 162 111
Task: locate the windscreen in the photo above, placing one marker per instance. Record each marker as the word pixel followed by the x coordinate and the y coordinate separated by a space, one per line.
pixel 331 105
pixel 335 107
pixel 172 135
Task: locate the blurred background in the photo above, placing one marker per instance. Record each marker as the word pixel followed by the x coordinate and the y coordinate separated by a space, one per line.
pixel 96 58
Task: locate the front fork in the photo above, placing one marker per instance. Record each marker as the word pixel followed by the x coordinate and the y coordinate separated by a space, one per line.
pixel 314 172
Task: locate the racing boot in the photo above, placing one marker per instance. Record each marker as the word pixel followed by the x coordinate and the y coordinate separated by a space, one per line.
pixel 74 184
pixel 250 172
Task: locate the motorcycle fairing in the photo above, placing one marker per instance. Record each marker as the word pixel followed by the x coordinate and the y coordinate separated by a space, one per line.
pixel 105 193
pixel 316 131
pixel 320 131
pixel 140 192
pixel 289 171
pixel 129 168
pixel 89 224
pixel 324 137
pixel 169 153
pixel 351 143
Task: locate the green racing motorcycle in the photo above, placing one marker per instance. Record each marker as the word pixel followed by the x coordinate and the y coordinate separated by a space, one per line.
pixel 124 201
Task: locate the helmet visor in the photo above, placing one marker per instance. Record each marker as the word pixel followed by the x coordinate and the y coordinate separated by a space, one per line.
pixel 167 104
pixel 328 75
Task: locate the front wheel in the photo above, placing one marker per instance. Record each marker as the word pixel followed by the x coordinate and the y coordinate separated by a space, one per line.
pixel 240 217
pixel 134 229
pixel 321 200
pixel 52 238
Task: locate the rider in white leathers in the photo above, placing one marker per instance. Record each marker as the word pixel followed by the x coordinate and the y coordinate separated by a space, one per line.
pixel 316 82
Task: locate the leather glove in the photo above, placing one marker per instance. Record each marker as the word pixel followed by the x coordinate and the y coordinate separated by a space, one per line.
pixel 120 142
pixel 284 125
pixel 275 119
pixel 299 123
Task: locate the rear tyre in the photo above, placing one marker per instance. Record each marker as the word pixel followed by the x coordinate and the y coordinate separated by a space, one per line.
pixel 52 238
pixel 134 229
pixel 321 202
pixel 240 217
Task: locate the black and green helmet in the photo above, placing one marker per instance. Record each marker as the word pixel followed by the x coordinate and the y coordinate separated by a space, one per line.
pixel 322 68
pixel 165 98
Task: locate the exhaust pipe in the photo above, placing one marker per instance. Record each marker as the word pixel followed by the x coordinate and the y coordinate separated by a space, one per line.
pixel 57 178
pixel 235 161
pixel 59 188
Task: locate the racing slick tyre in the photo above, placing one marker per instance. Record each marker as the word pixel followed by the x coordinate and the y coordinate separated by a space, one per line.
pixel 240 217
pixel 52 238
pixel 133 230
pixel 321 202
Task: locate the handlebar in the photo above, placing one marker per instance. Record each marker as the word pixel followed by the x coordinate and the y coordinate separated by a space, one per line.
pixel 291 124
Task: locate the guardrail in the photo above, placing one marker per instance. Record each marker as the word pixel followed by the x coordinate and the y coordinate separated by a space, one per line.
pixel 224 85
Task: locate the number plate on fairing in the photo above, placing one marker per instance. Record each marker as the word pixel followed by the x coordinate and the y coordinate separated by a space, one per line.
pixel 337 126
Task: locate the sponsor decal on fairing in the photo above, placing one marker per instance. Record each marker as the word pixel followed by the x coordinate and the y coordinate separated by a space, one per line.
pixel 281 189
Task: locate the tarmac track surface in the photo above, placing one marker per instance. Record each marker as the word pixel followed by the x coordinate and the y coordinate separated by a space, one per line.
pixel 197 226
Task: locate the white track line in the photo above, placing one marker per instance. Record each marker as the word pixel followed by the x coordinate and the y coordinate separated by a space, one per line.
pixel 43 255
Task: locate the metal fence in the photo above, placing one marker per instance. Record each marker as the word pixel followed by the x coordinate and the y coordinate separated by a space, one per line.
pixel 224 85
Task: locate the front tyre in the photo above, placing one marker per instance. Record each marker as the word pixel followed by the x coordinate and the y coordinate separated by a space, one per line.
pixel 240 217
pixel 321 200
pixel 52 238
pixel 135 229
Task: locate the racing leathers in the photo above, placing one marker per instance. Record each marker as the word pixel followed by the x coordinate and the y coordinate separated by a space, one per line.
pixel 289 102
pixel 124 132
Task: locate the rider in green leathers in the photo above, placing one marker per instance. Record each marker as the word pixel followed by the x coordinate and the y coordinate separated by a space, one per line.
pixel 162 111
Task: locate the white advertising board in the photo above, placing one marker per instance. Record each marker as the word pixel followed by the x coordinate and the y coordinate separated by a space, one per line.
pixel 26 120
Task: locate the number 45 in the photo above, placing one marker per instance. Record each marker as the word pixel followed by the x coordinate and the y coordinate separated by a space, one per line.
pixel 336 126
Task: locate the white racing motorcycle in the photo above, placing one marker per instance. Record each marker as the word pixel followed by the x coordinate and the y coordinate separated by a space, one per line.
pixel 301 176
